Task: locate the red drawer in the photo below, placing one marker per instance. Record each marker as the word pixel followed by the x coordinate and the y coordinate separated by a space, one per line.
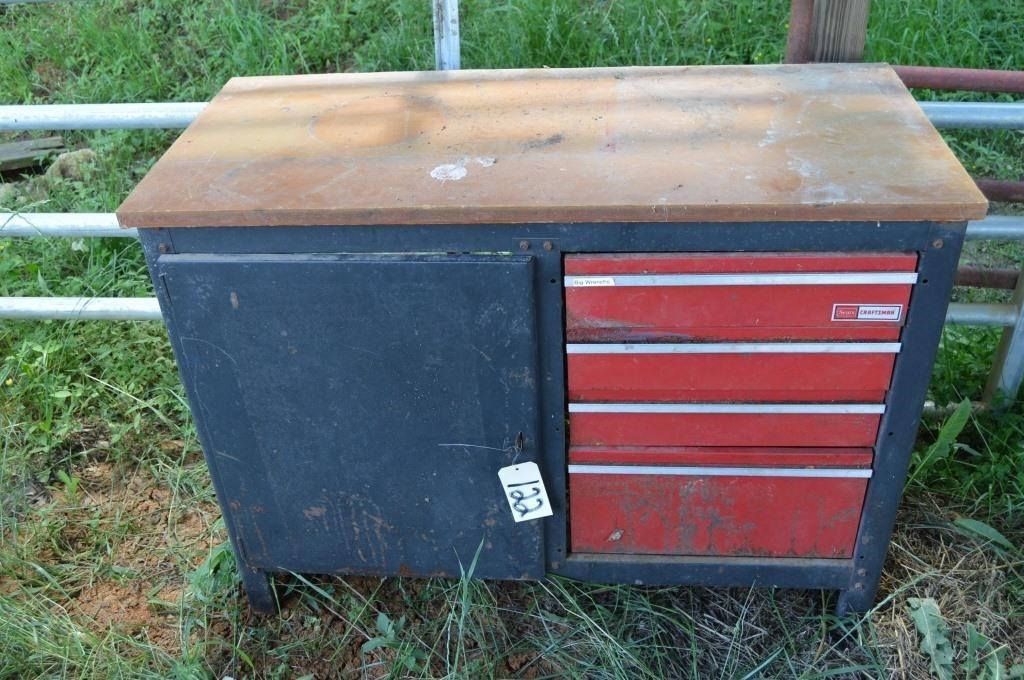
pixel 736 296
pixel 730 371
pixel 676 424
pixel 694 510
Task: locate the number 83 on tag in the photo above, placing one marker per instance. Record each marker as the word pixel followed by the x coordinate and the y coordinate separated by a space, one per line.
pixel 525 491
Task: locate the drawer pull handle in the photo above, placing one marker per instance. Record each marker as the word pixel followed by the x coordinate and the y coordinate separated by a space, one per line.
pixel 840 278
pixel 728 408
pixel 737 348
pixel 857 473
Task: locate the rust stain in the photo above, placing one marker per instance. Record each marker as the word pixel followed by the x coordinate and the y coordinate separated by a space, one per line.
pixel 552 140
pixel 377 121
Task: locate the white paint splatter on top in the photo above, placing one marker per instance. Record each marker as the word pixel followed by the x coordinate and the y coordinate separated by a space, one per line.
pixel 803 167
pixel 456 171
pixel 449 172
pixel 770 137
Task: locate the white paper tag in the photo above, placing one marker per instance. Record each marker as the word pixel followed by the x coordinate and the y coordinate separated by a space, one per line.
pixel 525 491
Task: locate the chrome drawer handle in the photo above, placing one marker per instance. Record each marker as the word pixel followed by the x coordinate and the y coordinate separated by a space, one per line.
pixel 838 278
pixel 847 473
pixel 840 409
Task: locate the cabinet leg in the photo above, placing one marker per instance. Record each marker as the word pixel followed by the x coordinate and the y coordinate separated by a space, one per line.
pixel 853 602
pixel 259 588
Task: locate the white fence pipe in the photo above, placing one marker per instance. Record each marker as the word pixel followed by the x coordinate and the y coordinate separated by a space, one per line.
pixel 447 55
pixel 997 228
pixel 992 228
pixel 1007 372
pixel 447 49
pixel 994 115
pixel 98 116
pixel 69 225
pixel 978 314
pixel 987 115
pixel 97 308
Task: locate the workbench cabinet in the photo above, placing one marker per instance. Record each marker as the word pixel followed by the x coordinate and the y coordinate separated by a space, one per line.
pixel 719 388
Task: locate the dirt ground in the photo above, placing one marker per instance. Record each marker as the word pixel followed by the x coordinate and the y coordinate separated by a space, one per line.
pixel 147 540
pixel 140 587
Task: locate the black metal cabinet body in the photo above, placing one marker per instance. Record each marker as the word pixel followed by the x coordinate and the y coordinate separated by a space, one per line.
pixel 356 389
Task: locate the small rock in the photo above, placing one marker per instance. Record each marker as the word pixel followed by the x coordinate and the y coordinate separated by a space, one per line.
pixel 71 164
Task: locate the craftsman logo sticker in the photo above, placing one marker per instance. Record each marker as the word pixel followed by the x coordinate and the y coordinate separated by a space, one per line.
pixel 866 312
pixel 590 281
pixel 525 492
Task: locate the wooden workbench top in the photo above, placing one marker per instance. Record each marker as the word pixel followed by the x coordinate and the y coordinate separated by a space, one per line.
pixel 677 144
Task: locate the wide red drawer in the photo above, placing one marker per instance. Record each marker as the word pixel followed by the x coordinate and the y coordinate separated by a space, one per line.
pixel 703 510
pixel 730 371
pixel 736 296
pixel 723 424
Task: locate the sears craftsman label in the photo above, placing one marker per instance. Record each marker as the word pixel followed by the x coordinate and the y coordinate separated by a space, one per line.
pixel 862 312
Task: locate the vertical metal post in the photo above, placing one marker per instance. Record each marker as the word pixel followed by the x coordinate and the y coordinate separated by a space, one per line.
pixel 798 41
pixel 447 56
pixel 1008 366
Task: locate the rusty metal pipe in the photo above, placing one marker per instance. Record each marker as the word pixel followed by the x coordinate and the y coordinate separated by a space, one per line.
pixel 933 411
pixel 970 79
pixel 986 277
pixel 798 40
pixel 1001 190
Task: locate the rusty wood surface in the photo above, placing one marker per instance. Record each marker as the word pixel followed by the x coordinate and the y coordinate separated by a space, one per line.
pixel 670 144
pixel 28 153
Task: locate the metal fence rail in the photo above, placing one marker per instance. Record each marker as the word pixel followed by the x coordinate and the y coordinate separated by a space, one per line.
pixel 98 116
pixel 975 115
pixel 81 225
pixel 447 48
pixel 1007 372
pixel 97 308
pixel 68 225
pixel 978 314
pixel 978 115
pixel 997 228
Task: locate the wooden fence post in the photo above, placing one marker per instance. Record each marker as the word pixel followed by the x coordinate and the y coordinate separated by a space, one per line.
pixel 839 30
pixel 826 30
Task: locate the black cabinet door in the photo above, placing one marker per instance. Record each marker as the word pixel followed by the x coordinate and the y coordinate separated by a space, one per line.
pixel 355 410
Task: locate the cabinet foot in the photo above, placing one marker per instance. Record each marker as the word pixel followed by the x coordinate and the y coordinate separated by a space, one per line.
pixel 259 588
pixel 853 602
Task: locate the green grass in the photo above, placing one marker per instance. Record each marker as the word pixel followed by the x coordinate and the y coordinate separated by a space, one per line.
pixel 103 489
